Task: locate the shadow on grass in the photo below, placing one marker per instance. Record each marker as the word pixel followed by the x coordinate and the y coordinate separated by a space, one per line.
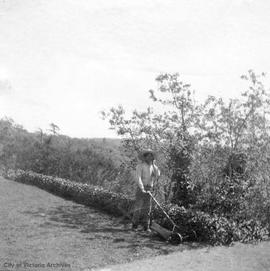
pixel 100 226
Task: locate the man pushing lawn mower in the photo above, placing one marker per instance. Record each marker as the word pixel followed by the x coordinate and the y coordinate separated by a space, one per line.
pixel 146 174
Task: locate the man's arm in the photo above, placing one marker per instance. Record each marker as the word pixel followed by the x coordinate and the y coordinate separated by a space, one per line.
pixel 156 170
pixel 139 177
pixel 156 174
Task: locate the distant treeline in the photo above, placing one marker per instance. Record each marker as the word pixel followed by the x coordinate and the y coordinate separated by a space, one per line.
pixel 93 161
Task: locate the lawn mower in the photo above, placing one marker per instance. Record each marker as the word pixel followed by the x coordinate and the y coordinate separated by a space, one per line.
pixel 171 236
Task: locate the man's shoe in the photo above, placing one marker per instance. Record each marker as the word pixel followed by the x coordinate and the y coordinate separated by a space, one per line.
pixel 147 229
pixel 134 227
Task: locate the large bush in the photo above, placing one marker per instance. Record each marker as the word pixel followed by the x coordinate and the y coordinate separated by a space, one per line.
pixel 214 155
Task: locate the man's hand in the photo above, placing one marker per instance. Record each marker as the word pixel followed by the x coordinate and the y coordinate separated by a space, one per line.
pixel 146 192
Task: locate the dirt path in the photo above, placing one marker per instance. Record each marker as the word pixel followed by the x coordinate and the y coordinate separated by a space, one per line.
pixel 37 228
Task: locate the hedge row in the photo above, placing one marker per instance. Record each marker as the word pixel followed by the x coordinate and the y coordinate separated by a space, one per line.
pixel 193 225
pixel 79 192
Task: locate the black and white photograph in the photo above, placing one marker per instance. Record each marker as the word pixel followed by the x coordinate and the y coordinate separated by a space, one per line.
pixel 134 135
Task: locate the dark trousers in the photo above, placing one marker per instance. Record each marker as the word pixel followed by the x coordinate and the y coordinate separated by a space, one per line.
pixel 142 208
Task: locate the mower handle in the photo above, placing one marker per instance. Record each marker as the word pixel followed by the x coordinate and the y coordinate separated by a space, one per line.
pixel 164 212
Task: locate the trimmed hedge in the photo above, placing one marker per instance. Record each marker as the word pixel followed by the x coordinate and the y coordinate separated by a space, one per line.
pixel 81 193
pixel 193 225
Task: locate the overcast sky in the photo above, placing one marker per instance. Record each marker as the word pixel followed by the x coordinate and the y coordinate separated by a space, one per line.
pixel 63 61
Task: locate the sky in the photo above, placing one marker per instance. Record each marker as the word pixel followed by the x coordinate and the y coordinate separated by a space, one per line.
pixel 64 61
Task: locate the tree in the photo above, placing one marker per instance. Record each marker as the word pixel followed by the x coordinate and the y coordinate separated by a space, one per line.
pixel 41 135
pixel 241 126
pixel 231 162
pixel 167 132
pixel 54 129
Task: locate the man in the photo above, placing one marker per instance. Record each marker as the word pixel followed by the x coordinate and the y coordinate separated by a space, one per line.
pixel 146 174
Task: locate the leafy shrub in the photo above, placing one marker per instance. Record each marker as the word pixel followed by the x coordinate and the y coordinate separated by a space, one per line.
pixel 79 192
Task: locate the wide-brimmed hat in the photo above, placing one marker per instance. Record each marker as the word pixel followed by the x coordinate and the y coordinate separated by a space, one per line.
pixel 145 152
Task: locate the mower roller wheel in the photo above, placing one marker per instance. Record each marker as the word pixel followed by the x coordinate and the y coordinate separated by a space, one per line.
pixel 175 238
